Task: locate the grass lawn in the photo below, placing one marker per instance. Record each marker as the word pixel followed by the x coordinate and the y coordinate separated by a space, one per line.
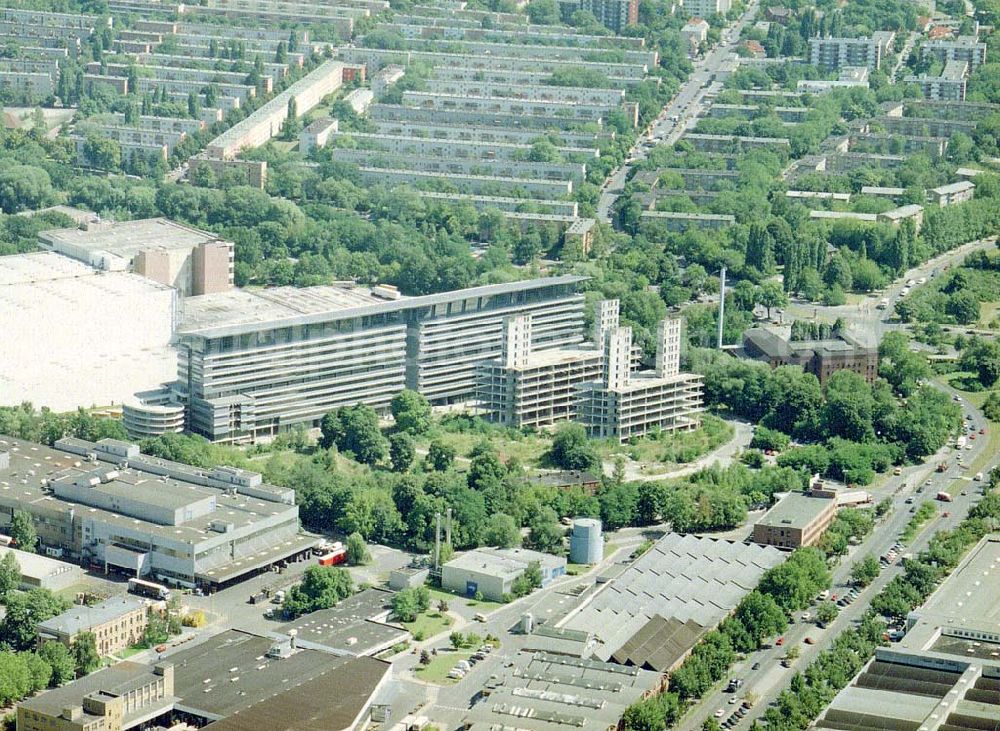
pixel 527 449
pixel 428 624
pixel 439 667
pixel 660 452
pixel 988 313
pixel 484 606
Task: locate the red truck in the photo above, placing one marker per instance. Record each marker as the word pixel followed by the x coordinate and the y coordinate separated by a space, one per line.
pixel 334 557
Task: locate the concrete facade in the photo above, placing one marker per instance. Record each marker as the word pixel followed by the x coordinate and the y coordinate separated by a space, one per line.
pixel 249 362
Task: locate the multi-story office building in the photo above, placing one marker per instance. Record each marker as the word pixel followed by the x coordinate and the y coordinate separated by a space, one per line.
pixel 623 404
pixel 833 53
pixel 254 363
pixel 124 696
pixel 963 48
pixel 107 505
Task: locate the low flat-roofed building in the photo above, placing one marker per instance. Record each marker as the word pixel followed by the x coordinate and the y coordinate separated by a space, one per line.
pixel 234 669
pixel 912 212
pixel 945 671
pixel 842 216
pixel 42 572
pixel 107 334
pixel 124 696
pixel 117 624
pixel 191 261
pixel 884 192
pixel 171 522
pixel 691 582
pixel 795 520
pixel 340 699
pixel 822 358
pixel 564 479
pixel 491 572
pixel 358 625
pixel 947 195
pixel 548 691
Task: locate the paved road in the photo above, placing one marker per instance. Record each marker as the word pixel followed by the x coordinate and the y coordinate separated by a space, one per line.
pixel 686 106
pixel 864 317
pixel 917 484
pixel 723 456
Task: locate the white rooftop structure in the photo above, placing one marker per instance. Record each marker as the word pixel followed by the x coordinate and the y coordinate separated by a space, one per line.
pixel 74 336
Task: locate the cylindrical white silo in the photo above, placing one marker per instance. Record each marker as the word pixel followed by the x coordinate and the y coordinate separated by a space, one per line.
pixel 586 544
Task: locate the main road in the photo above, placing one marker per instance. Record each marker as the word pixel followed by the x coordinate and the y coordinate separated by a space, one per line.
pixel 916 485
pixel 681 110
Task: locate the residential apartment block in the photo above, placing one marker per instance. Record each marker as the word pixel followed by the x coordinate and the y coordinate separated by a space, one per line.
pixel 948 86
pixel 963 48
pixel 833 53
pixel 947 195
pixel 705 8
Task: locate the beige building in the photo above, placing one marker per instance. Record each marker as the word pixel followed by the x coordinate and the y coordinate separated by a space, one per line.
pixel 117 624
pixel 119 697
pixel 191 261
pixel 796 520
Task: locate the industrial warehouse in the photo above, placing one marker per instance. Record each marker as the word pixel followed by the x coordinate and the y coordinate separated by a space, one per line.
pixel 111 507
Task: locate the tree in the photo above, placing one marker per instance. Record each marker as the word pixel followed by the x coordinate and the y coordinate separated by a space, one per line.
pixel 354 429
pixel 10 575
pixel 772 295
pixel 440 456
pixel 357 550
pixel 502 531
pixel 543 12
pixel 849 407
pixel 405 605
pixel 546 534
pixel 402 451
pixel 571 449
pixel 486 471
pixel 964 307
pixel 865 571
pixel 826 612
pixel 761 616
pixel 22 530
pixel 322 587
pixel 85 653
pixel 411 411
pixel 23 187
pixel 62 662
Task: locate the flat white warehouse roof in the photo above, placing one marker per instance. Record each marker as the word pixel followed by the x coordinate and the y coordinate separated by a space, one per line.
pixel 77 337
